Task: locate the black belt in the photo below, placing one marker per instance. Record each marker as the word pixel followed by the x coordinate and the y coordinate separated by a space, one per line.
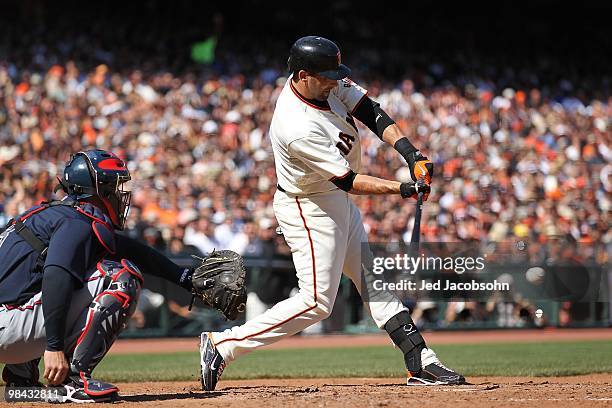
pixel 280 188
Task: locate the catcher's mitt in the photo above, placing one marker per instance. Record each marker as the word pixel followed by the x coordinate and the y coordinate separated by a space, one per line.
pixel 220 282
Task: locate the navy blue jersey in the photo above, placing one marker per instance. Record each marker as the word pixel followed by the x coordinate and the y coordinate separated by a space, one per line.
pixel 77 238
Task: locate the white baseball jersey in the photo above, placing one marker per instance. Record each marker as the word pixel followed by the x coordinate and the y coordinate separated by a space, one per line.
pixel 315 141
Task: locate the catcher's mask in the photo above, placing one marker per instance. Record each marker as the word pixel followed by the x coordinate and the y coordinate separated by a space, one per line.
pixel 99 176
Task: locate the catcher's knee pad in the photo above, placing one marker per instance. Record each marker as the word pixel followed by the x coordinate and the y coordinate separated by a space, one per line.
pixel 108 314
pixel 406 336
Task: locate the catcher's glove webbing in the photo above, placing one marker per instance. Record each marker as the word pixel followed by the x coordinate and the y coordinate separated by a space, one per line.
pixel 220 282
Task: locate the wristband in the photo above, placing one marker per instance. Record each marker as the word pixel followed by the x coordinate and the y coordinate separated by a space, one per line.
pixel 344 182
pixel 406 149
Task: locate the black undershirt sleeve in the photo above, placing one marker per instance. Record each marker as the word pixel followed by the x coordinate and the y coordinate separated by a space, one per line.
pixel 151 261
pixel 370 114
pixel 57 288
pixel 344 182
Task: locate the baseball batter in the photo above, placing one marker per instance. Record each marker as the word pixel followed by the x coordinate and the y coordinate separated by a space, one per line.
pixel 317 157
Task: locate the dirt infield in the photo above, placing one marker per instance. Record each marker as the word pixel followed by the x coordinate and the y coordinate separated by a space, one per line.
pixel 585 391
pixel 169 345
pixel 593 390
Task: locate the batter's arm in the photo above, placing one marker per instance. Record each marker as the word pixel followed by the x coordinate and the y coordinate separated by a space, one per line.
pixel 364 184
pixel 392 134
pixel 370 114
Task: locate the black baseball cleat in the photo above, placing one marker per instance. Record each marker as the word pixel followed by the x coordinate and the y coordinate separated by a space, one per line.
pixel 80 389
pixel 433 372
pixel 12 380
pixel 211 363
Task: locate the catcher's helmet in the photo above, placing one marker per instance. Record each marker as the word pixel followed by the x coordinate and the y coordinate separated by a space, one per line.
pixel 100 176
pixel 317 55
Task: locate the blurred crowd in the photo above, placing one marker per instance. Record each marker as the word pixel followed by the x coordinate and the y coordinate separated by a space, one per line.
pixel 522 148
pixel 508 165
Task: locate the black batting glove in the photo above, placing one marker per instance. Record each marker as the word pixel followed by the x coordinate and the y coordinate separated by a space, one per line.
pixel 412 189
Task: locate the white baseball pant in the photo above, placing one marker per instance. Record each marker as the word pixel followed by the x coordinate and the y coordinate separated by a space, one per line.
pixel 325 234
pixel 24 338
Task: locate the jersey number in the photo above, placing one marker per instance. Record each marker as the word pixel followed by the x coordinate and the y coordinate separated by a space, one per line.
pixel 347 143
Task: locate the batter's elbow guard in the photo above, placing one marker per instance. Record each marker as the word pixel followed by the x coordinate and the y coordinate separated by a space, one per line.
pixel 370 114
pixel 406 336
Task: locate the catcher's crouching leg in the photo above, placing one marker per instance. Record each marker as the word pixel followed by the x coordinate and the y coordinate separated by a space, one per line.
pixel 108 315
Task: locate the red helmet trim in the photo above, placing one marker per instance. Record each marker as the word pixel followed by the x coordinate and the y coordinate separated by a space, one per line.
pixel 112 164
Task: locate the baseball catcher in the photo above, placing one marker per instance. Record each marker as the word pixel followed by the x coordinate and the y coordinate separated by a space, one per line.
pixel 70 281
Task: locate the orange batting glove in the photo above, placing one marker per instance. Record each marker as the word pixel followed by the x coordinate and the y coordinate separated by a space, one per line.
pixel 421 167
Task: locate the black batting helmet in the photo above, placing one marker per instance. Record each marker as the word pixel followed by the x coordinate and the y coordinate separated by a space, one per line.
pixel 317 55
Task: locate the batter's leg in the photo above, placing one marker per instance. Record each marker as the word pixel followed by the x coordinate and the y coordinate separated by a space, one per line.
pixel 316 231
pixel 422 364
pixel 382 305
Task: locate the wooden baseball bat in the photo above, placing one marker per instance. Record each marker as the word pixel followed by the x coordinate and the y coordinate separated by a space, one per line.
pixel 416 230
